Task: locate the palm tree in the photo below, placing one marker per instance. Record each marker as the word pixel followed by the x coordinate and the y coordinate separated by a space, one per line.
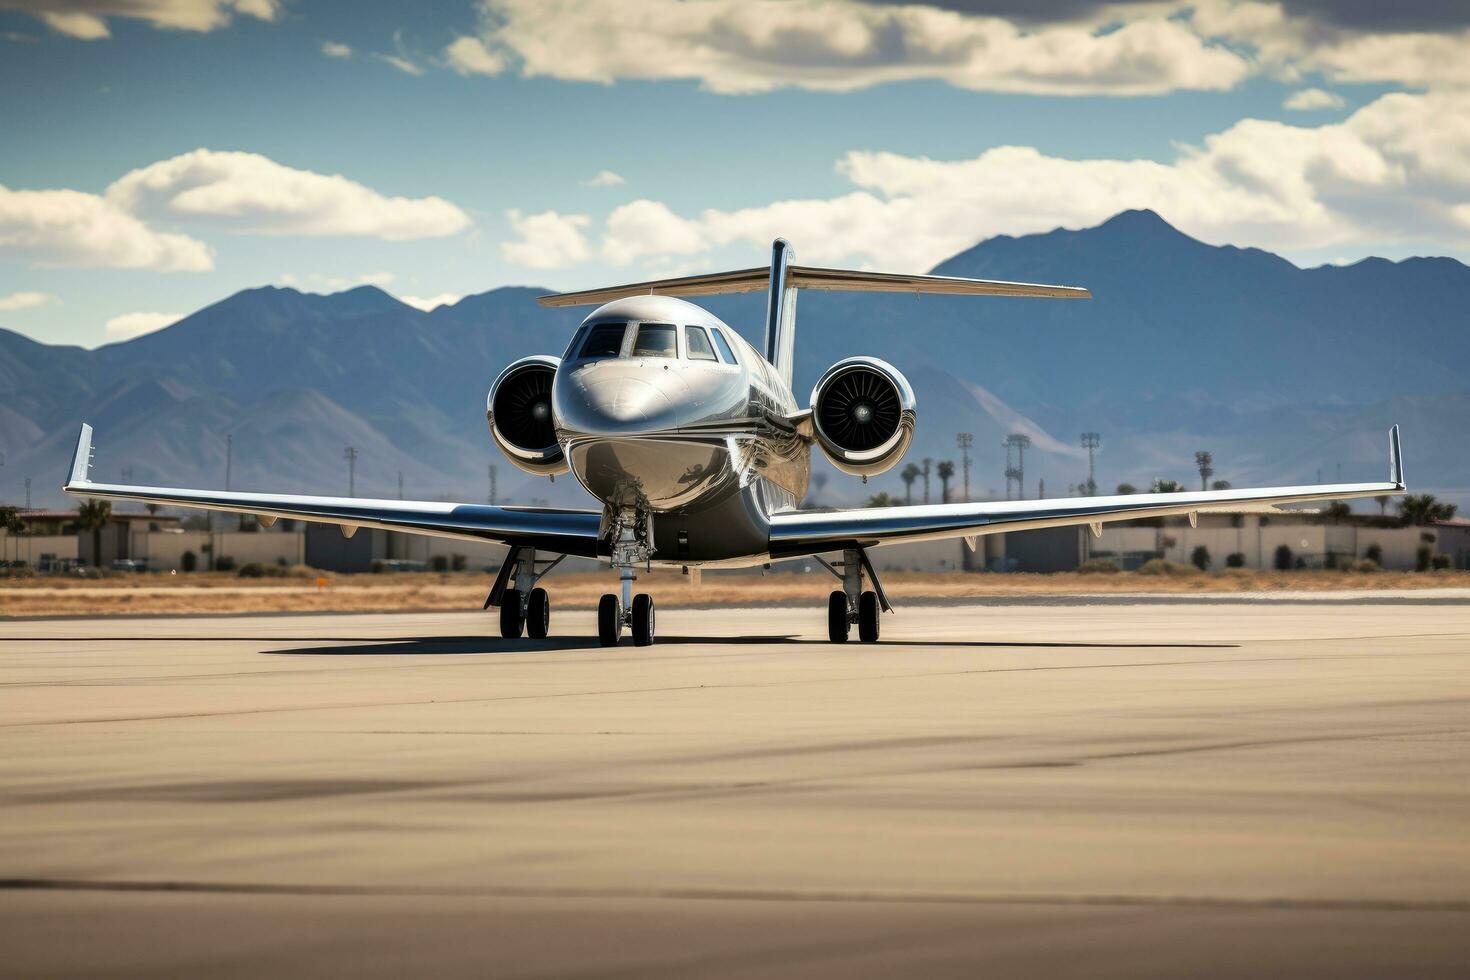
pixel 945 469
pixel 1382 504
pixel 1167 486
pixel 93 516
pixel 1422 508
pixel 927 463
pixel 1336 511
pixel 910 473
pixel 819 480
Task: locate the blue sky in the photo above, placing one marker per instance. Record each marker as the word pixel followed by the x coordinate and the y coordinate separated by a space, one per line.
pixel 160 158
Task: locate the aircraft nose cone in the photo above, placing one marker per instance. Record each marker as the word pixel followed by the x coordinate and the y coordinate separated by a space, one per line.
pixel 624 400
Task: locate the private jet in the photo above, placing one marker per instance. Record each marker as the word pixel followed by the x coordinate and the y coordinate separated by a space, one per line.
pixel 698 452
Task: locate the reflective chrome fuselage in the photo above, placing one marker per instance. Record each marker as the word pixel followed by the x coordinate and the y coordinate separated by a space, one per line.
pixel 701 444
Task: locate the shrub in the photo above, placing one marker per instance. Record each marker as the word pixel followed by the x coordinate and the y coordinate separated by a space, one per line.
pixel 252 569
pixel 1098 566
pixel 457 562
pixel 1200 558
pixel 1364 565
pixel 379 566
pixel 1440 562
pixel 1374 553
pixel 224 563
pixel 190 561
pixel 1283 558
pixel 439 563
pixel 1423 555
pixel 1235 559
pixel 1162 566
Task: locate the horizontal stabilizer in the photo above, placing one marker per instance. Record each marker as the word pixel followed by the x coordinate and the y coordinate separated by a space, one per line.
pixel 812 277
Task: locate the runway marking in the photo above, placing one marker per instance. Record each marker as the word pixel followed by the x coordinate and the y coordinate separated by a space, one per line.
pixel 742 895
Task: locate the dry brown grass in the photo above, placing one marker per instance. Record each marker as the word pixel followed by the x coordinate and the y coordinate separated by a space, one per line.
pixel 223 593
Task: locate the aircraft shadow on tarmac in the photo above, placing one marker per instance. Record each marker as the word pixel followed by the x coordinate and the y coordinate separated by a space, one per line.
pixel 450 645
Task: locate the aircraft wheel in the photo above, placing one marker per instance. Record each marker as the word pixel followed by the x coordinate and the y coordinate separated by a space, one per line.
pixel 642 619
pixel 538 615
pixel 510 614
pixel 837 624
pixel 868 617
pixel 609 620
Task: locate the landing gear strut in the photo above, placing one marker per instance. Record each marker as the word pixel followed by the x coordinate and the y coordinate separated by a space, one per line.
pixel 631 542
pixel 523 605
pixel 852 604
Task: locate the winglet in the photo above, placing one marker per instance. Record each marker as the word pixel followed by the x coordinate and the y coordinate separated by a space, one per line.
pixel 1395 459
pixel 81 461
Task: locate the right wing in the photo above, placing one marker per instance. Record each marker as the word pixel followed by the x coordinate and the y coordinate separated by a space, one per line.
pixel 795 534
pixel 567 532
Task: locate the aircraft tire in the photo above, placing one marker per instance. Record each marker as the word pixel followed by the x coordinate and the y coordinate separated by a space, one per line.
pixel 609 620
pixel 837 624
pixel 538 615
pixel 511 621
pixel 868 617
pixel 643 619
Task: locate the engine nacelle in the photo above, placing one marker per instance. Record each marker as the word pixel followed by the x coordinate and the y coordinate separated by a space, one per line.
pixel 863 415
pixel 518 410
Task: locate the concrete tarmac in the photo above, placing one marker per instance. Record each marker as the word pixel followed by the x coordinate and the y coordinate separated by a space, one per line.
pixel 1062 790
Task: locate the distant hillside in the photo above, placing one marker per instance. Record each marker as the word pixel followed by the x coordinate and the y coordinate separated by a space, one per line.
pixel 1279 371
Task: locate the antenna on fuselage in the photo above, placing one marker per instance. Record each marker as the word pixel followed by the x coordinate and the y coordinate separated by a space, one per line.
pixel 780 346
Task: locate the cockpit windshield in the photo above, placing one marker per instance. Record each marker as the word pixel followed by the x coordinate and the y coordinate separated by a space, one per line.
pixel 656 340
pixel 604 340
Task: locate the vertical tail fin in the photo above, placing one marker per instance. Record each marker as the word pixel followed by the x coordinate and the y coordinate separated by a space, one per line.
pixel 781 311
pixel 1395 458
pixel 81 460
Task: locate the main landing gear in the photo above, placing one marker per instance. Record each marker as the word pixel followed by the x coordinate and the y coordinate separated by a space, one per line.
pixel 523 604
pixel 852 604
pixel 631 543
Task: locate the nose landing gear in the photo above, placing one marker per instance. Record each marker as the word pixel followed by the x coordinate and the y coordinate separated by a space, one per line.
pixel 631 543
pixel 852 604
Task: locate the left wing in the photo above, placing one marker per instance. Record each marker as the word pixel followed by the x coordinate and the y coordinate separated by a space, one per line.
pixel 568 532
pixel 798 533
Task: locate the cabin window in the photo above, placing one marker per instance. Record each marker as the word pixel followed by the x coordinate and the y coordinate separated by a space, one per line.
pixel 604 340
pixel 726 354
pixel 696 342
pixel 656 340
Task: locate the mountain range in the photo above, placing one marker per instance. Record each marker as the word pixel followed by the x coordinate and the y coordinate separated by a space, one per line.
pixel 1286 375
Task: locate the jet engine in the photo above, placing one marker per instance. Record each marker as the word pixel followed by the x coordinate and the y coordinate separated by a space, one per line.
pixel 863 415
pixel 518 410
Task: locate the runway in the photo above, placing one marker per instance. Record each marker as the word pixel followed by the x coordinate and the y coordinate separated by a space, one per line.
pixel 1083 789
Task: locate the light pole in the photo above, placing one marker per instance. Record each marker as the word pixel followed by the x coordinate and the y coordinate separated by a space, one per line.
pixel 1090 442
pixel 965 440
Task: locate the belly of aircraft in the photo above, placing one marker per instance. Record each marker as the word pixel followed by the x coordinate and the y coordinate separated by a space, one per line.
pixel 657 474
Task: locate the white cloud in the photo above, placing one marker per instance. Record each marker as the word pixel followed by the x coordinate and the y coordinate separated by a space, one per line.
pixel 336 49
pixel 1395 170
pixel 130 325
pixel 469 56
pixel 252 193
pixel 73 228
pixel 427 303
pixel 547 240
pixel 401 63
pixel 646 227
pixel 1311 99
pixel 739 46
pixel 86 20
pixel 604 178
pixel 1082 47
pixel 25 301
